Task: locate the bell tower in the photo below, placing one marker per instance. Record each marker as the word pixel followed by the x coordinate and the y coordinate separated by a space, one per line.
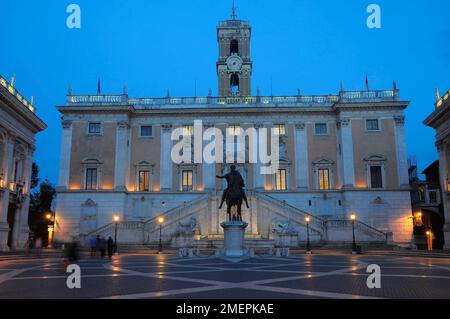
pixel 234 66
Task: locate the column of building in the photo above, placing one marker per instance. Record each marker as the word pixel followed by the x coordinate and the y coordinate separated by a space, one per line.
pixel 402 157
pixel 165 158
pixel 121 159
pixel 208 169
pixel 4 196
pixel 258 178
pixel 21 229
pixel 64 158
pixel 301 157
pixel 443 152
pixel 346 153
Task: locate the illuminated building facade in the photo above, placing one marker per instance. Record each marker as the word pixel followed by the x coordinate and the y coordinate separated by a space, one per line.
pixel 339 154
pixel 18 125
pixel 440 121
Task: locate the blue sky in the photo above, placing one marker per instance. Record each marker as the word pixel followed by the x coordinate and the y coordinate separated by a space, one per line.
pixel 155 45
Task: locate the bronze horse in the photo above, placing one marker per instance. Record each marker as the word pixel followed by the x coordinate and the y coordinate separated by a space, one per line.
pixel 234 194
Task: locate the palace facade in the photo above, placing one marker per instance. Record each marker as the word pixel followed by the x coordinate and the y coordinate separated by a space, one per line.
pixel 339 154
pixel 440 121
pixel 18 125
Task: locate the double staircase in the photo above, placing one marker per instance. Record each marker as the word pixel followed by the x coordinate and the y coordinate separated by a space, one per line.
pixel 322 231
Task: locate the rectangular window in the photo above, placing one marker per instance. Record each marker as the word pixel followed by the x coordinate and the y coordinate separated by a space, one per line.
pixel 280 129
pixel 280 180
pixel 91 178
pixel 187 181
pixel 188 130
pixel 433 197
pixel 321 129
pixel 376 179
pixel 95 128
pixel 324 179
pixel 234 130
pixel 372 125
pixel 144 181
pixel 146 131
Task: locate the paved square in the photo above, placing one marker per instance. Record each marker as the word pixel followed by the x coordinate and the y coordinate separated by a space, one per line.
pixel 168 276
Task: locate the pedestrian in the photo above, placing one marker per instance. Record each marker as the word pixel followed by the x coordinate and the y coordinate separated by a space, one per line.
pixel 98 243
pixel 93 245
pixel 71 253
pixel 38 246
pixel 103 246
pixel 27 246
pixel 110 247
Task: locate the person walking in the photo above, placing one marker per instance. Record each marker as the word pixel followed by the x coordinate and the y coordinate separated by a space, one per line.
pixel 98 243
pixel 110 247
pixel 103 245
pixel 93 245
pixel 38 246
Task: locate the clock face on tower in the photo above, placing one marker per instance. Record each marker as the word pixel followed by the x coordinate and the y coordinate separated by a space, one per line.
pixel 234 63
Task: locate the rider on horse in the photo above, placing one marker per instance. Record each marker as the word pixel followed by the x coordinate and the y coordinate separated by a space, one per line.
pixel 231 177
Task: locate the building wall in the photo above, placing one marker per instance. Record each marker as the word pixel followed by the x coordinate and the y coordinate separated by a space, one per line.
pixel 385 209
pixel 18 125
pixel 366 144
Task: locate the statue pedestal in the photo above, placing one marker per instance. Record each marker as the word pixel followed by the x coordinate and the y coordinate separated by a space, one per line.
pixel 234 238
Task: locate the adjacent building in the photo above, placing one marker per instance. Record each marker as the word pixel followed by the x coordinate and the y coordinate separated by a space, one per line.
pixel 18 126
pixel 339 153
pixel 440 121
pixel 427 207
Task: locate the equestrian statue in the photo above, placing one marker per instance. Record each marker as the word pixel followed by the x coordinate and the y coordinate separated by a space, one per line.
pixel 234 194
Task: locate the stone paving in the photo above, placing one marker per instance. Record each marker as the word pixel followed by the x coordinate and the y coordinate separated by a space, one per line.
pixel 147 275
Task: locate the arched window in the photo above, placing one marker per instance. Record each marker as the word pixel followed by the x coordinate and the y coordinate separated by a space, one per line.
pixel 234 47
pixel 234 84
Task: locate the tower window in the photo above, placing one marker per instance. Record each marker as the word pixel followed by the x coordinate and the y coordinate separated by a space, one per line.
pixel 376 177
pixel 234 84
pixel 280 129
pixel 324 179
pixel 321 129
pixel 144 181
pixel 91 178
pixel 146 131
pixel 234 47
pixel 280 179
pixel 94 128
pixel 188 130
pixel 187 181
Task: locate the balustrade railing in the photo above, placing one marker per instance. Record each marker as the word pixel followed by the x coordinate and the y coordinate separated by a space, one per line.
pixel 298 215
pixel 11 89
pixel 360 226
pixel 270 101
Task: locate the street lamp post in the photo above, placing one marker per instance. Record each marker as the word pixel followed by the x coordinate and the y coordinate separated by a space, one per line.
pixel 429 240
pixel 308 245
pixel 353 218
pixel 116 219
pixel 160 221
pixel 50 228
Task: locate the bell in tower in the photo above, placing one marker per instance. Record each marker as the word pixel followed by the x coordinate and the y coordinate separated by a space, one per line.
pixel 234 67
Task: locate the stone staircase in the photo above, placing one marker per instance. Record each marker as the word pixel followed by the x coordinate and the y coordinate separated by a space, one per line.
pixel 292 214
pixel 145 233
pixel 142 234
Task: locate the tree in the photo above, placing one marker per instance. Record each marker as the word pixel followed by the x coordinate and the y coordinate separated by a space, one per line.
pixel 34 176
pixel 41 200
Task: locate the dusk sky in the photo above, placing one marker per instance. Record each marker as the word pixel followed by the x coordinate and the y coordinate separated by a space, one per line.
pixel 153 46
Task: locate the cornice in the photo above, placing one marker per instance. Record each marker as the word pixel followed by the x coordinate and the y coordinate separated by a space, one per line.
pixel 27 117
